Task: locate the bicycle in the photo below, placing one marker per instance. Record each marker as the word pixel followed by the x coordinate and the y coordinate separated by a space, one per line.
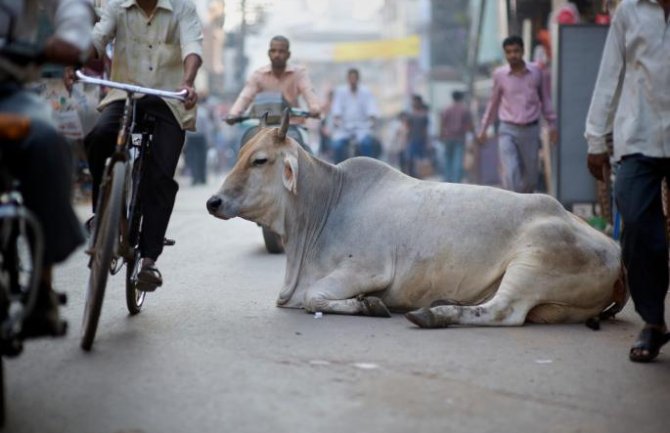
pixel 115 234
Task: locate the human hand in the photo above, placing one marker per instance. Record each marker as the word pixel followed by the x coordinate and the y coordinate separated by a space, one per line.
pixel 596 163
pixel 69 78
pixel 191 97
pixel 553 136
pixel 481 138
pixel 230 119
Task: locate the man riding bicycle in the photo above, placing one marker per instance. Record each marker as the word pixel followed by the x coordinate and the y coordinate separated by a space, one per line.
pixel 42 161
pixel 278 76
pixel 157 44
pixel 354 112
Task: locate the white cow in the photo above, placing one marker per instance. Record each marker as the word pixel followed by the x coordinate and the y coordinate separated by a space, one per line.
pixel 363 238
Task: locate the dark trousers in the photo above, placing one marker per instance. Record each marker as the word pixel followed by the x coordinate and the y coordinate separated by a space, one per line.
pixel 196 157
pixel 158 188
pixel 42 163
pixel 644 241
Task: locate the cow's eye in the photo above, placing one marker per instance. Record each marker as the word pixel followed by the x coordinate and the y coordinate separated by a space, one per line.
pixel 260 161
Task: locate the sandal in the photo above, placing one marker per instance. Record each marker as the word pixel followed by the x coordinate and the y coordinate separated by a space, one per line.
pixel 650 340
pixel 149 278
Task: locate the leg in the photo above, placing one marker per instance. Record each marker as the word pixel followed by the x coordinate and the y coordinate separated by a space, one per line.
pixel 529 147
pixel 340 150
pixel 448 160
pixel 159 189
pixel 499 311
pixel 510 160
pixel 342 292
pixel 100 144
pixel 644 246
pixel 458 156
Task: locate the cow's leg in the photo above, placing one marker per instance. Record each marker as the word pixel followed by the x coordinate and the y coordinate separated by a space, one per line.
pixel 496 312
pixel 343 292
pixel 508 307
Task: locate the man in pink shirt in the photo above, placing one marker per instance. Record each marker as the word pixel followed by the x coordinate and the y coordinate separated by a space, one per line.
pixel 278 76
pixel 520 95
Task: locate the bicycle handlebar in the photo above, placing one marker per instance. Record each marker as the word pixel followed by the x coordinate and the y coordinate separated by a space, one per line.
pixel 131 88
pixel 294 112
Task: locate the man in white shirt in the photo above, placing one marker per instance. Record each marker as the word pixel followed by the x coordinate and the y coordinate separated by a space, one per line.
pixel 631 99
pixel 354 112
pixel 157 44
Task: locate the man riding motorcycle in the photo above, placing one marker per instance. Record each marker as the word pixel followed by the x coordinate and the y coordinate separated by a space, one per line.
pixel 42 161
pixel 278 76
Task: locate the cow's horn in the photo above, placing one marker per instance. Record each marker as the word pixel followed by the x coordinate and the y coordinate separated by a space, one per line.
pixel 283 129
pixel 264 120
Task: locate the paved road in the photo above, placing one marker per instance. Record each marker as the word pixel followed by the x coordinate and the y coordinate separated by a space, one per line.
pixel 211 353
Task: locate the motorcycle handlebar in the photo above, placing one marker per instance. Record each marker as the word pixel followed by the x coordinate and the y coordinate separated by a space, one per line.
pixel 293 113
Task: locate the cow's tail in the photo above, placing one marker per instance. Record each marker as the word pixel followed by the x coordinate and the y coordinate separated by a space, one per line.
pixel 621 296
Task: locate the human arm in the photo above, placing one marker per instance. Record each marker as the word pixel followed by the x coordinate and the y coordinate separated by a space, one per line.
pixel 547 106
pixel 307 91
pixel 71 41
pixel 491 109
pixel 102 34
pixel 190 38
pixel 605 98
pixel 251 88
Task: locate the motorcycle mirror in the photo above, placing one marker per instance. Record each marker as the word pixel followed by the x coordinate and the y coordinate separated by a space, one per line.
pixel 283 129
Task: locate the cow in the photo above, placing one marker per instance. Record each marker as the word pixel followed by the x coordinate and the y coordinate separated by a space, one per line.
pixel 363 238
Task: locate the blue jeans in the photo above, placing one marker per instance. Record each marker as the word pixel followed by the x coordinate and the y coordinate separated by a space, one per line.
pixel 365 147
pixel 454 151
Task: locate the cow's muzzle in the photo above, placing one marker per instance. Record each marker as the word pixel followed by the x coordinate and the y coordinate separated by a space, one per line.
pixel 216 208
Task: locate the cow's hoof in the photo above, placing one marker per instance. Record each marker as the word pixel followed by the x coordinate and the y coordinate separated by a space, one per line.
pixel 373 306
pixel 424 318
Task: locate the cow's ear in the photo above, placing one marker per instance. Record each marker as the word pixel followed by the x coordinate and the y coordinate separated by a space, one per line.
pixel 290 173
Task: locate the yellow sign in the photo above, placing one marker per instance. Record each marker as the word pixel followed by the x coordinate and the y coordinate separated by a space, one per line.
pixel 381 49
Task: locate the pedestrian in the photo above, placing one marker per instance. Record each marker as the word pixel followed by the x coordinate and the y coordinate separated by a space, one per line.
pixel 631 100
pixel 456 122
pixel 197 144
pixel 417 160
pixel 518 99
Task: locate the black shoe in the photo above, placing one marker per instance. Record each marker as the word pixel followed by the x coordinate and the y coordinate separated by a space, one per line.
pixel 45 319
pixel 149 278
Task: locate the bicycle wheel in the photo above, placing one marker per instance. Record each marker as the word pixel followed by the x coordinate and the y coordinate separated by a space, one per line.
pixel 106 235
pixel 134 297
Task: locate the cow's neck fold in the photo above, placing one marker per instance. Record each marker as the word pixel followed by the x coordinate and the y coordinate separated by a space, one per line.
pixel 319 188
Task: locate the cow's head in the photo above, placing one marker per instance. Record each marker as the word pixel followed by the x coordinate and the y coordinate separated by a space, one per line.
pixel 264 176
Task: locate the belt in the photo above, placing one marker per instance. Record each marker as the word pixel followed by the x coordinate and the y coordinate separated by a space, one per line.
pixel 524 125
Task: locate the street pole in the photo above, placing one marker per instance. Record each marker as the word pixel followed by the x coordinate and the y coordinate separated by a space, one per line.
pixel 240 58
pixel 473 56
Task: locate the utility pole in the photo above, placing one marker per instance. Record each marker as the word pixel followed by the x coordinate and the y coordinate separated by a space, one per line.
pixel 240 58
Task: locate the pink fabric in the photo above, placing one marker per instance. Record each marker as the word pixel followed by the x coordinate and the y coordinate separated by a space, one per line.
pixel 520 98
pixel 456 122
